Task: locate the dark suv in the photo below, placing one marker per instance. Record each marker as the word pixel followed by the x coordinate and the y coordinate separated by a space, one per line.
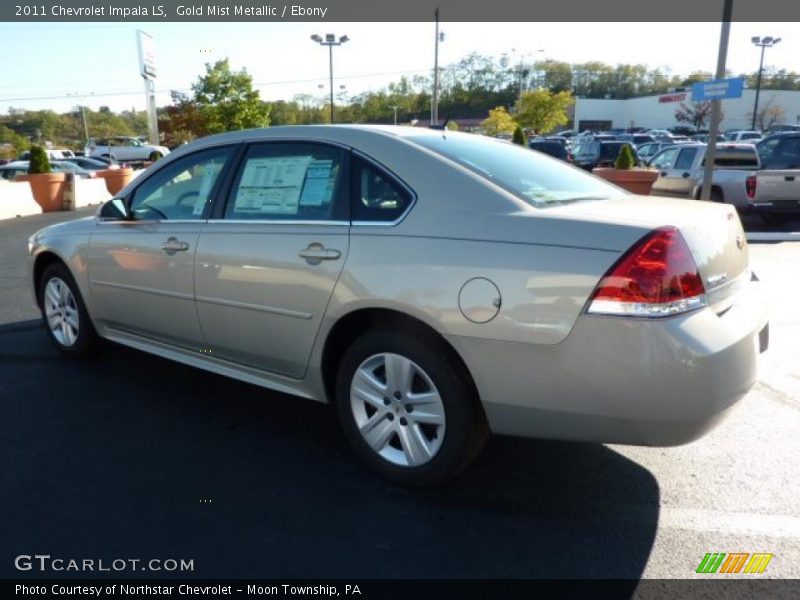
pixel 553 148
pixel 591 154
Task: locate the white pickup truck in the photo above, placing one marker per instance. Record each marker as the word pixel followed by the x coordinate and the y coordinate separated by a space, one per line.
pixel 740 177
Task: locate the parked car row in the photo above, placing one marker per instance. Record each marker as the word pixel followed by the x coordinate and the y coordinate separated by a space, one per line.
pixel 10 170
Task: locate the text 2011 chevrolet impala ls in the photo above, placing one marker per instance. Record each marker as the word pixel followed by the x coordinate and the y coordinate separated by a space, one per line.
pixel 435 286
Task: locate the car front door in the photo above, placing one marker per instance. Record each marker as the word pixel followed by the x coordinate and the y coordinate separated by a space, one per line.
pixel 141 270
pixel 269 259
pixel 664 162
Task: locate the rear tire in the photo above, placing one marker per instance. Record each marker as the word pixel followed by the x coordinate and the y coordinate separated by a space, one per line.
pixel 65 317
pixel 716 195
pixel 408 407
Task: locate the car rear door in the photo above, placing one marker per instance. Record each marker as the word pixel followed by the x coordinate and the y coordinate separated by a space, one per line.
pixel 268 261
pixel 141 271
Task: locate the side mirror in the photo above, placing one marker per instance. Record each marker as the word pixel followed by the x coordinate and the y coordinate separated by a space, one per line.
pixel 116 208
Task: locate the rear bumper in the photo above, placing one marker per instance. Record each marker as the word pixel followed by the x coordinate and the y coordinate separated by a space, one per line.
pixel 776 207
pixel 615 380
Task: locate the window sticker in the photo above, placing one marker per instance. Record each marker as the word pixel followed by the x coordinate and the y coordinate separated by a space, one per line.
pixel 272 185
pixel 319 185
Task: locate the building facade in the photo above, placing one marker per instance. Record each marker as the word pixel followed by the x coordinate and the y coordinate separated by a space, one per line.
pixel 658 112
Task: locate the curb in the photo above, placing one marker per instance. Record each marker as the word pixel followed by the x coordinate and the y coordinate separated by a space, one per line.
pixel 773 236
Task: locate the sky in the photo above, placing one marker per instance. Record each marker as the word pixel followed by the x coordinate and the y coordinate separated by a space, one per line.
pixel 61 65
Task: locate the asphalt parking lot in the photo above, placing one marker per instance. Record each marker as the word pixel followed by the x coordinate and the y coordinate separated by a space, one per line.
pixel 131 456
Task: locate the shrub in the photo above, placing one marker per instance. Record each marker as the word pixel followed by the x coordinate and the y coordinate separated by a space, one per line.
pixel 625 159
pixel 518 137
pixel 39 161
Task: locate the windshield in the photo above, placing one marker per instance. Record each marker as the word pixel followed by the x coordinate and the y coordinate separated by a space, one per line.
pixel 538 179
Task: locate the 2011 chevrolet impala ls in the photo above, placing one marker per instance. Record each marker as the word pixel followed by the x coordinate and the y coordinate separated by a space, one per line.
pixel 435 286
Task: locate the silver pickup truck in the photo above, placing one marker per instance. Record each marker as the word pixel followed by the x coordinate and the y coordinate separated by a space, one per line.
pixel 776 190
pixel 739 177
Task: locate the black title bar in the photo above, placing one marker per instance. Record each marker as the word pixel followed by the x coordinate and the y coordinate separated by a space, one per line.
pixel 393 11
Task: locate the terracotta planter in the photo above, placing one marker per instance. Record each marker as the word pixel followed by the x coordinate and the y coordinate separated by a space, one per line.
pixel 116 179
pixel 48 190
pixel 636 181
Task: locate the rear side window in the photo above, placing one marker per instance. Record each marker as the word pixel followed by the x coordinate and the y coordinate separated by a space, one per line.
pixel 377 196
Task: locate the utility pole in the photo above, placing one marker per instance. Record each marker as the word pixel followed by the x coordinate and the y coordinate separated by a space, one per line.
pixel 716 105
pixel 395 107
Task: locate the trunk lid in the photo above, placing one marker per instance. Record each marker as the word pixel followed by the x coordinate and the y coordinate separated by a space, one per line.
pixel 712 231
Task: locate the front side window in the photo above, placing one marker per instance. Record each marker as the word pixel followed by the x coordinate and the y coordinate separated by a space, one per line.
pixel 182 189
pixel 665 159
pixel 289 181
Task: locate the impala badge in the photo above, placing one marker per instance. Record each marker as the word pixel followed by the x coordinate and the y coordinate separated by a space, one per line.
pixel 716 280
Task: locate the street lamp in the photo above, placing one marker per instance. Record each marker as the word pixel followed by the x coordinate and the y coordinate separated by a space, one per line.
pixel 330 41
pixel 394 108
pixel 764 43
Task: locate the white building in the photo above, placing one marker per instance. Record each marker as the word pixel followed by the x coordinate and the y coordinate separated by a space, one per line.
pixel 658 112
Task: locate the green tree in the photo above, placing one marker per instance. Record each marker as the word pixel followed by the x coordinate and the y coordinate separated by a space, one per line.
pixel 39 161
pixel 625 158
pixel 519 136
pixel 543 110
pixel 498 121
pixel 227 99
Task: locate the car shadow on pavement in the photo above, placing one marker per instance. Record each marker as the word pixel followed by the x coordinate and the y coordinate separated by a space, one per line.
pixel 130 456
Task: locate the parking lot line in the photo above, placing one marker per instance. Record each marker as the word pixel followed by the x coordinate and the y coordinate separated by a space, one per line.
pixel 783 526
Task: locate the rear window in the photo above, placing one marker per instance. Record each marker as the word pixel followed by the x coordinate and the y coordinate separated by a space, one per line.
pixel 738 157
pixel 538 179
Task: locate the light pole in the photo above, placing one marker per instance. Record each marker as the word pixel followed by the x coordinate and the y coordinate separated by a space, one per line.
pixel 395 107
pixel 435 99
pixel 330 41
pixel 764 43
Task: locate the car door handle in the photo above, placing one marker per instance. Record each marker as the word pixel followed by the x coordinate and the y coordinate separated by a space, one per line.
pixel 684 175
pixel 789 178
pixel 663 173
pixel 317 252
pixel 173 245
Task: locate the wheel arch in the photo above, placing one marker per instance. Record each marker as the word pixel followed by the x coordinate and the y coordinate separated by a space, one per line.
pixel 354 324
pixel 40 263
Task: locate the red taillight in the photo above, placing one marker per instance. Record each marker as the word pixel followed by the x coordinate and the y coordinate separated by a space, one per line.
pixel 657 277
pixel 750 186
pixel 569 156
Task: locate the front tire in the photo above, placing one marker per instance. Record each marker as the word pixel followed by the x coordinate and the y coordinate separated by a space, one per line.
pixel 64 313
pixel 154 156
pixel 408 407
